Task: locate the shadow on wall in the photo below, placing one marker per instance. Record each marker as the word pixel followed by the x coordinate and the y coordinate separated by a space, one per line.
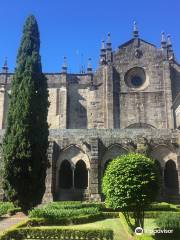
pixel 77 112
pixel 140 125
pixel 171 182
pixel 116 98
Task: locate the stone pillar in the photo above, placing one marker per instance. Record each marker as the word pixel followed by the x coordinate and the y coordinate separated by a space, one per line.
pixel 73 169
pixel 163 183
pixel 88 170
pixel 178 167
pixel 108 96
pixel 94 171
pixel 167 96
pixel 48 195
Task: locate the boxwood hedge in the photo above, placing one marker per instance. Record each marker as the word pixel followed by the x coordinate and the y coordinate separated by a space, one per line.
pixel 57 233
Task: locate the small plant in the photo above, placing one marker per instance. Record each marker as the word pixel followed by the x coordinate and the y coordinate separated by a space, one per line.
pixel 4 207
pixel 169 220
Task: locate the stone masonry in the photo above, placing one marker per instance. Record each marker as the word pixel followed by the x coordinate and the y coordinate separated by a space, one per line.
pixel 130 104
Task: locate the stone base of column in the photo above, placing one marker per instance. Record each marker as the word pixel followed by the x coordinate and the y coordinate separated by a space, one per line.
pixel 95 197
pixel 48 196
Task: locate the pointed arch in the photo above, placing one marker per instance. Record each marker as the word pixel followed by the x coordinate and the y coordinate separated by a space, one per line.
pixel 81 175
pixel 171 177
pixel 140 125
pixel 111 153
pixel 65 175
pixel 73 154
pixel 163 153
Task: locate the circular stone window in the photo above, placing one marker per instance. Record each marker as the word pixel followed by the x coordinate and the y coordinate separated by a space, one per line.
pixel 135 77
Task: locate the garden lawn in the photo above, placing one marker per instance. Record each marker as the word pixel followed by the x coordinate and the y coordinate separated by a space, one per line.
pixel 115 224
pixel 149 224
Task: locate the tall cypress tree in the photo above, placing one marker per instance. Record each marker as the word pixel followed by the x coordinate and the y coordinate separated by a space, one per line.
pixel 26 138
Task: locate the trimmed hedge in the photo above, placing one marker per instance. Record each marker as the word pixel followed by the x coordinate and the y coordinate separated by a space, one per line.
pixel 162 206
pixel 74 205
pixel 154 214
pixel 65 221
pixel 56 214
pixel 65 210
pixel 13 211
pixel 57 233
pixel 111 214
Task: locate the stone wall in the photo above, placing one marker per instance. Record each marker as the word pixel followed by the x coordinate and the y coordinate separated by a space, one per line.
pixel 150 103
pixel 105 100
pixel 96 147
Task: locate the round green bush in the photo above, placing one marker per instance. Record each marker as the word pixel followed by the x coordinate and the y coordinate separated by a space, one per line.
pixel 131 183
pixel 130 180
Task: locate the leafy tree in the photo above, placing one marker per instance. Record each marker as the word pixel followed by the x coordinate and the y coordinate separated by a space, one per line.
pixel 131 183
pixel 26 138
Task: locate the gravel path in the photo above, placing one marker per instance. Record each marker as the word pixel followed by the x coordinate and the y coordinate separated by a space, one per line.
pixel 9 222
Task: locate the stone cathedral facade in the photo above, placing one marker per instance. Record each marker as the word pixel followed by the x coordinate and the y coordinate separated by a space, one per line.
pixel 130 104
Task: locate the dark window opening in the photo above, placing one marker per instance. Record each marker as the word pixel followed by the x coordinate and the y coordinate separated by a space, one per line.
pixel 65 175
pixel 171 177
pixel 81 175
pixel 136 81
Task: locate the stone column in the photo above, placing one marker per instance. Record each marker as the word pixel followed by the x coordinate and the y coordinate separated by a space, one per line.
pixel 178 167
pixel 167 96
pixel 94 171
pixel 163 183
pixel 73 169
pixel 48 195
pixel 108 96
pixel 88 170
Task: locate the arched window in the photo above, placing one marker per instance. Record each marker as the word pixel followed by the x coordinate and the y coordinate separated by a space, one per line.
pixel 140 125
pixel 65 175
pixel 171 177
pixel 80 175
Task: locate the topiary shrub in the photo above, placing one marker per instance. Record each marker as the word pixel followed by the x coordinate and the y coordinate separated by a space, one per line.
pixel 131 183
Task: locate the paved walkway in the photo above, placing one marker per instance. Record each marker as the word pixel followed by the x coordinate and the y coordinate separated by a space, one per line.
pixel 9 222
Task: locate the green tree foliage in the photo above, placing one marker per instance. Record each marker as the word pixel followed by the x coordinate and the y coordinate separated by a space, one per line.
pixel 26 139
pixel 131 183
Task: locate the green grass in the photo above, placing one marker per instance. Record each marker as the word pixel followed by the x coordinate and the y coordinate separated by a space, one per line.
pixel 149 224
pixel 114 224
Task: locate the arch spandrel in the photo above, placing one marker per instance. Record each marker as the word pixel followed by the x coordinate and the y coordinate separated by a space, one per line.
pixel 73 154
pixel 163 153
pixel 140 125
pixel 112 152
